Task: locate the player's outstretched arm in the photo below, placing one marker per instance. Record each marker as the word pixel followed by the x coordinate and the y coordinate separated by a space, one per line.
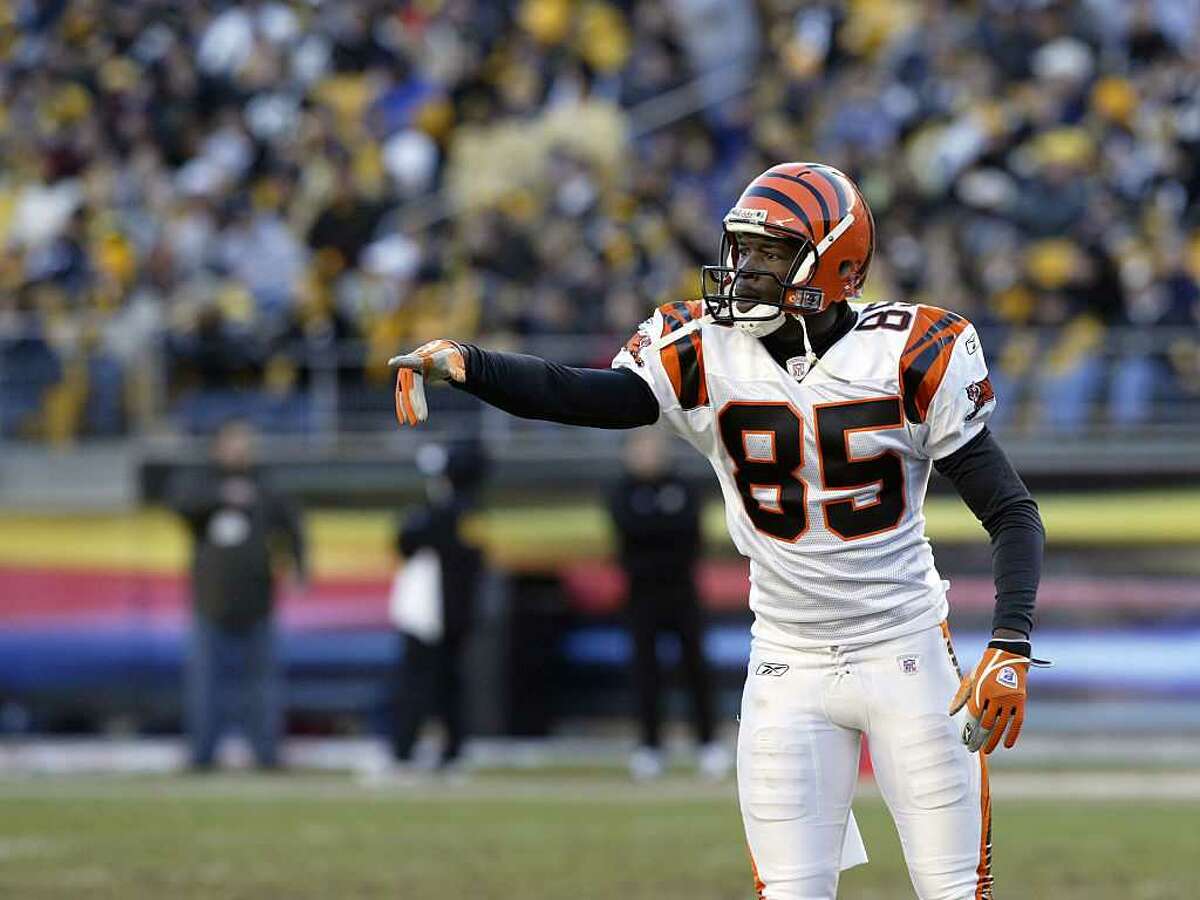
pixel 526 386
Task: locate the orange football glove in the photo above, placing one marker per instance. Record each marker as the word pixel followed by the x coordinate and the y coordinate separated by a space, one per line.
pixel 438 360
pixel 994 695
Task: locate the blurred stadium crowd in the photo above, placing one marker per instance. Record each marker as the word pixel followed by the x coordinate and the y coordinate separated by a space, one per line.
pixel 200 198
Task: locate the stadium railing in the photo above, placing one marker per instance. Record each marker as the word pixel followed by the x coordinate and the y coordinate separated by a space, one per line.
pixel 1128 398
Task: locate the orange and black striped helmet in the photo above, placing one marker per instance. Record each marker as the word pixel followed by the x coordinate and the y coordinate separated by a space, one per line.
pixel 816 206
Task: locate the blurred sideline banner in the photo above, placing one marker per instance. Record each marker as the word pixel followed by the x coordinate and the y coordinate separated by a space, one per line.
pixel 80 646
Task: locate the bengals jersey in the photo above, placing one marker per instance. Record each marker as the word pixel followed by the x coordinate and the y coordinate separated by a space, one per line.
pixel 824 473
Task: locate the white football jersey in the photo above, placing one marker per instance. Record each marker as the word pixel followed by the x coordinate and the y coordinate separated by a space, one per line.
pixel 824 476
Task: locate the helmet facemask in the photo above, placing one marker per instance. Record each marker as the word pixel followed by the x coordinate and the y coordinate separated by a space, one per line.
pixel 765 315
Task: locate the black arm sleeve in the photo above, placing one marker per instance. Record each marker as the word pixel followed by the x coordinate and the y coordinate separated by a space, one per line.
pixel 534 388
pixel 994 492
pixel 194 496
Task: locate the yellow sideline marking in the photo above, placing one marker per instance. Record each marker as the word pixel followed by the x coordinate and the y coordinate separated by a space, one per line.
pixel 359 544
pixel 342 544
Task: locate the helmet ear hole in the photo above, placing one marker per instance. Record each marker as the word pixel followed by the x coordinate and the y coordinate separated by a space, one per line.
pixel 845 268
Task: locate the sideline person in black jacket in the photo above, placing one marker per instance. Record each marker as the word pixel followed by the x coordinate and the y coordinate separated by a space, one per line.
pixel 237 523
pixel 430 667
pixel 657 520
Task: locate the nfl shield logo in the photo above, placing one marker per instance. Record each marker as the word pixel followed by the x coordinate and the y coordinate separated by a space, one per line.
pixel 798 367
pixel 909 665
pixel 1007 677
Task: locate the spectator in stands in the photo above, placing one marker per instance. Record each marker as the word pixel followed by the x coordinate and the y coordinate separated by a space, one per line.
pixel 657 519
pixel 345 163
pixel 236 522
pixel 433 602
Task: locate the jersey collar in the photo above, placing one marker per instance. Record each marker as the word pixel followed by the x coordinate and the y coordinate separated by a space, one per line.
pixel 829 357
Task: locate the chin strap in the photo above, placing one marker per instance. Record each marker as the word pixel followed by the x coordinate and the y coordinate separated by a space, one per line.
pixel 810 358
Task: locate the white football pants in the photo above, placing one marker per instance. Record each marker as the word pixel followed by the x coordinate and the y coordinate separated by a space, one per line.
pixel 803 715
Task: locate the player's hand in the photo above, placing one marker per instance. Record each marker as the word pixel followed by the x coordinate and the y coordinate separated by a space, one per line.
pixel 994 695
pixel 438 360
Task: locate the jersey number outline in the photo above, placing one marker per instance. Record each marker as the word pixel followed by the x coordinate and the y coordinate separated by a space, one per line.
pixel 759 474
pixel 883 315
pixel 774 495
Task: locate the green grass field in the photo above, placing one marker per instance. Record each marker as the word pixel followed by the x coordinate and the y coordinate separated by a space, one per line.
pixel 582 837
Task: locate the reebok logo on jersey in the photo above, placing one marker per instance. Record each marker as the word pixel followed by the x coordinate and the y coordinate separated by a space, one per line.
pixel 1007 677
pixel 980 393
pixel 910 664
pixel 775 669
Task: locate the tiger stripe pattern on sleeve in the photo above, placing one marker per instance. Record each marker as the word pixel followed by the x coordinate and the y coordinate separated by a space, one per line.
pixel 683 360
pixel 926 357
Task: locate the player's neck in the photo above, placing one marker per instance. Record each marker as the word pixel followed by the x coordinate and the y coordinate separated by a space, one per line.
pixel 824 330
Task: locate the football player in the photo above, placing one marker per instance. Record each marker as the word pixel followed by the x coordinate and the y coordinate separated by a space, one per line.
pixel 822 420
